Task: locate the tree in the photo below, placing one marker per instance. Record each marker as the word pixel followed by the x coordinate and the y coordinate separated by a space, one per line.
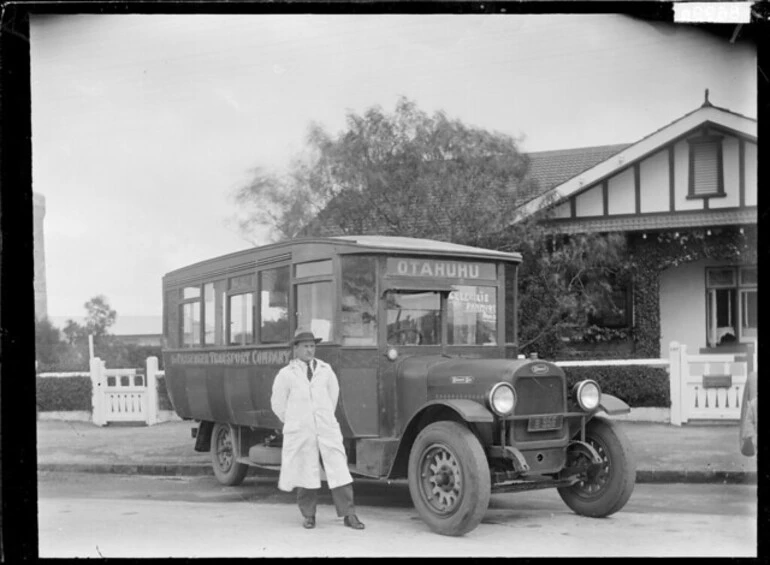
pixel 405 173
pixel 99 316
pixel 73 331
pixel 48 344
pixel 411 174
pixel 562 280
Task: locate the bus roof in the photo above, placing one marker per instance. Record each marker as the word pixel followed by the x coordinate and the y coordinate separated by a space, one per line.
pixel 353 244
pixel 426 245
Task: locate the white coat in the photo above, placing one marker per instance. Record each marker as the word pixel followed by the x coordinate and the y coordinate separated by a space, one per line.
pixel 306 408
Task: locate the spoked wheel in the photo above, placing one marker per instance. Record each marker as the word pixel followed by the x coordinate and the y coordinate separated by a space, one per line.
pixel 449 478
pixel 604 490
pixel 224 456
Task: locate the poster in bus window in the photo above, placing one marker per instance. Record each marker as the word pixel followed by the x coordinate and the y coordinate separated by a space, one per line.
pixel 475 300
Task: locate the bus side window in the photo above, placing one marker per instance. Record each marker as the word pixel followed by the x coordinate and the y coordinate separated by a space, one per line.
pixel 241 308
pixel 359 301
pixel 191 316
pixel 274 305
pixel 314 308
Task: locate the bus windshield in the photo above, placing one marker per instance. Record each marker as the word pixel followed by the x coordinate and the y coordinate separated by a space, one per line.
pixel 414 318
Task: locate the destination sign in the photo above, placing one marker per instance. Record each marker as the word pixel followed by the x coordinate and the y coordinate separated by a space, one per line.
pixel 440 269
pixel 242 358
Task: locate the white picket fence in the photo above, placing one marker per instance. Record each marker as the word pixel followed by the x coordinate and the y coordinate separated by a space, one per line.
pixel 123 395
pixel 702 387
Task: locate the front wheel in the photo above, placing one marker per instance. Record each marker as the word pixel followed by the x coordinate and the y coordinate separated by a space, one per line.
pixel 605 490
pixel 224 456
pixel 449 478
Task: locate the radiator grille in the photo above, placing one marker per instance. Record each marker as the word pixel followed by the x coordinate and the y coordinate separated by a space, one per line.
pixel 539 395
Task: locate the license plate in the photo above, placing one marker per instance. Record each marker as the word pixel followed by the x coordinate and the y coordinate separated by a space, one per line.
pixel 544 423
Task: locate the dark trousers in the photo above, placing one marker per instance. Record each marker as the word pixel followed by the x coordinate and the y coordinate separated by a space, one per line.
pixel 307 499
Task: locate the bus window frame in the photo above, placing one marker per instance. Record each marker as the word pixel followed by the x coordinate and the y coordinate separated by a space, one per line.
pixel 228 293
pixel 389 282
pixel 258 304
pixel 334 278
pixel 379 293
pixel 181 303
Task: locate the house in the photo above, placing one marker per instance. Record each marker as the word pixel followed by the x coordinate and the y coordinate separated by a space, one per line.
pixel 685 196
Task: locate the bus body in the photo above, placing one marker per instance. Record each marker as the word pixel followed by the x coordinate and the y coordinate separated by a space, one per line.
pixel 422 337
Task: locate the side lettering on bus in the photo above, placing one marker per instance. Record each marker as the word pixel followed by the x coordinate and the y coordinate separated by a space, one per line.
pixel 254 357
pixel 439 269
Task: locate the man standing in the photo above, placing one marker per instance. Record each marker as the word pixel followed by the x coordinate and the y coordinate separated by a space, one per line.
pixel 305 394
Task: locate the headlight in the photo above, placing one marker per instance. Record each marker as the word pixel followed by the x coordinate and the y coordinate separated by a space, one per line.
pixel 502 399
pixel 588 395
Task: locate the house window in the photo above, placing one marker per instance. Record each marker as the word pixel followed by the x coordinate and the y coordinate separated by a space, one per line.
pixel 731 304
pixel 615 312
pixel 706 171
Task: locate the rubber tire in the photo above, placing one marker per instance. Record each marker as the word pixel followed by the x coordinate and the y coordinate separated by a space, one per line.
pixel 474 469
pixel 622 472
pixel 233 474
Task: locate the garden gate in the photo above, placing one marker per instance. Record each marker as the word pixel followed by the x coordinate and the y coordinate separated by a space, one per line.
pixel 118 395
pixel 707 386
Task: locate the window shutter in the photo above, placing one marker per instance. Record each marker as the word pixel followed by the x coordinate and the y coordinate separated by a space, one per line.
pixel 705 168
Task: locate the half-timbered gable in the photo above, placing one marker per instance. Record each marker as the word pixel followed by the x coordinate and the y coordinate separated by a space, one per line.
pixel 686 197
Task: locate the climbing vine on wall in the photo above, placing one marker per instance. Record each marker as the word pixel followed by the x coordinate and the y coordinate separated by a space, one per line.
pixel 656 252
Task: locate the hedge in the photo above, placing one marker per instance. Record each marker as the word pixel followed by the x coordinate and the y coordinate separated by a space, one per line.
pixel 637 385
pixel 63 393
pixel 74 393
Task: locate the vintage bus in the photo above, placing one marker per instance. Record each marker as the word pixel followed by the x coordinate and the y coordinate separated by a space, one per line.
pixel 422 336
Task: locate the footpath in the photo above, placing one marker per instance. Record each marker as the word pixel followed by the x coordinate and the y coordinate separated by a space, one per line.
pixel 694 453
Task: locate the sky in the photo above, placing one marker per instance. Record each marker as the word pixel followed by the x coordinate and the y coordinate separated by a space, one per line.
pixel 144 126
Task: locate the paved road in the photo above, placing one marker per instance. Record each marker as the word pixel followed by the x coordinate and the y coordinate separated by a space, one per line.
pixel 90 515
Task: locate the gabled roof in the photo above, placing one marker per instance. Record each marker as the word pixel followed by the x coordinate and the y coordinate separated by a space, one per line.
pixel 707 114
pixel 551 168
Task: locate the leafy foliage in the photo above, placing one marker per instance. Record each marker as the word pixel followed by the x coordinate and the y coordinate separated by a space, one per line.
pixel 415 175
pixel 99 316
pixel 561 280
pixel 406 173
pixel 74 393
pixel 637 385
pixel 63 393
pixel 67 349
pixel 49 346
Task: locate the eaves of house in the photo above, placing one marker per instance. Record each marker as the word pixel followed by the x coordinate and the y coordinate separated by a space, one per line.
pixel 583 186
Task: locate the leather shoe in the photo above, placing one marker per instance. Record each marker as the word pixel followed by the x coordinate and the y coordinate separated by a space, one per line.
pixel 309 522
pixel 352 521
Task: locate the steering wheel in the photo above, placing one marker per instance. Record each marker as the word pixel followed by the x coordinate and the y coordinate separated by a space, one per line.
pixel 404 332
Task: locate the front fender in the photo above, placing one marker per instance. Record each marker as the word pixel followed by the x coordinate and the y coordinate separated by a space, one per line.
pixel 613 405
pixel 469 410
pixel 464 409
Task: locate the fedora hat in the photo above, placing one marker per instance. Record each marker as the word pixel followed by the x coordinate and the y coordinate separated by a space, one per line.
pixel 303 334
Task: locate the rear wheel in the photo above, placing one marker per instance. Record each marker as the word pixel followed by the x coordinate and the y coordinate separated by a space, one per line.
pixel 606 490
pixel 224 455
pixel 449 478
